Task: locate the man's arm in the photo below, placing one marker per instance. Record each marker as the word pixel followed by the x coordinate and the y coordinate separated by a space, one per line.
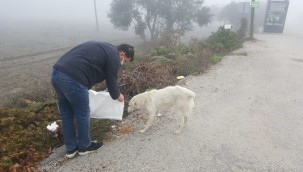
pixel 113 67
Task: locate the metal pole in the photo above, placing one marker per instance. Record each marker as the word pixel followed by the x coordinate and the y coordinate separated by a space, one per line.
pixel 252 19
pixel 97 25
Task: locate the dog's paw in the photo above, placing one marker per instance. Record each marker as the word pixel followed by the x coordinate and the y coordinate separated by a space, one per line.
pixel 142 131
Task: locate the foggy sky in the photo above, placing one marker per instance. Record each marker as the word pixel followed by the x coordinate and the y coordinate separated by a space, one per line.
pixel 53 10
pixel 75 10
pixel 82 11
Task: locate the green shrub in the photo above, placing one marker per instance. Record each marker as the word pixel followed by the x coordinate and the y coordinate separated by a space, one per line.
pixel 160 51
pixel 171 56
pixel 227 38
pixel 184 49
pixel 161 59
pixel 189 56
pixel 216 59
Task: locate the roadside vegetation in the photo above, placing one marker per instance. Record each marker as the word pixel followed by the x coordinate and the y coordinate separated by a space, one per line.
pixel 24 138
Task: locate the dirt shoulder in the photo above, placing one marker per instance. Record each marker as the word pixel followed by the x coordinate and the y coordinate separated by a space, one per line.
pixel 247 117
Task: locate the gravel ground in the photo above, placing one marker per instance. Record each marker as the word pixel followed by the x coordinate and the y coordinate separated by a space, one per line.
pixel 247 117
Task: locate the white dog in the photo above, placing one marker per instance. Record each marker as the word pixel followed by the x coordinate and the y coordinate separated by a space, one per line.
pixel 156 100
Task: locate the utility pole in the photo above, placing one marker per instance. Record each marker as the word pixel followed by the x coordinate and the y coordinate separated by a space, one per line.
pixel 252 19
pixel 97 24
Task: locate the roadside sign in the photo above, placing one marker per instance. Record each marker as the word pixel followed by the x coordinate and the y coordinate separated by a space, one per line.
pixel 254 4
pixel 275 17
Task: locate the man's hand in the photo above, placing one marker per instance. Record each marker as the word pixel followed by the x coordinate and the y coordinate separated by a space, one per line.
pixel 120 98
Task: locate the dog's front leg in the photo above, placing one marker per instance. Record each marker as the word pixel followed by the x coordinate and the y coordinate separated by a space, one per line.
pixel 151 119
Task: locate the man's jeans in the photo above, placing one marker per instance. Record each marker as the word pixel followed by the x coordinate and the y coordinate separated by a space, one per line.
pixel 73 104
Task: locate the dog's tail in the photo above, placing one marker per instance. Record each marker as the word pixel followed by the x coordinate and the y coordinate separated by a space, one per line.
pixel 190 93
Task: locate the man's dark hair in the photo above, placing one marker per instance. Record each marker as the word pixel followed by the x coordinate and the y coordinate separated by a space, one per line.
pixel 128 50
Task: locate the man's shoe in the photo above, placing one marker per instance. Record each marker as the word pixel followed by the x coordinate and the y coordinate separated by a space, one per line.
pixel 94 146
pixel 71 154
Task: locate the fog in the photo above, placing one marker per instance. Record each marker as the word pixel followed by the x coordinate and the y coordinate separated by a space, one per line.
pixel 82 11
pixel 63 10
pixel 53 10
pixel 71 11
pixel 72 21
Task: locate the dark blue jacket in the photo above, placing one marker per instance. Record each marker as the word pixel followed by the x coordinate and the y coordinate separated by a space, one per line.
pixel 92 62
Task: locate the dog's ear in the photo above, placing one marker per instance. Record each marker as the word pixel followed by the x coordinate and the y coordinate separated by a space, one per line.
pixel 133 103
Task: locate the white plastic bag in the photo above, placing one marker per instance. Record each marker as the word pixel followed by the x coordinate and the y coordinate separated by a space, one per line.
pixel 102 106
